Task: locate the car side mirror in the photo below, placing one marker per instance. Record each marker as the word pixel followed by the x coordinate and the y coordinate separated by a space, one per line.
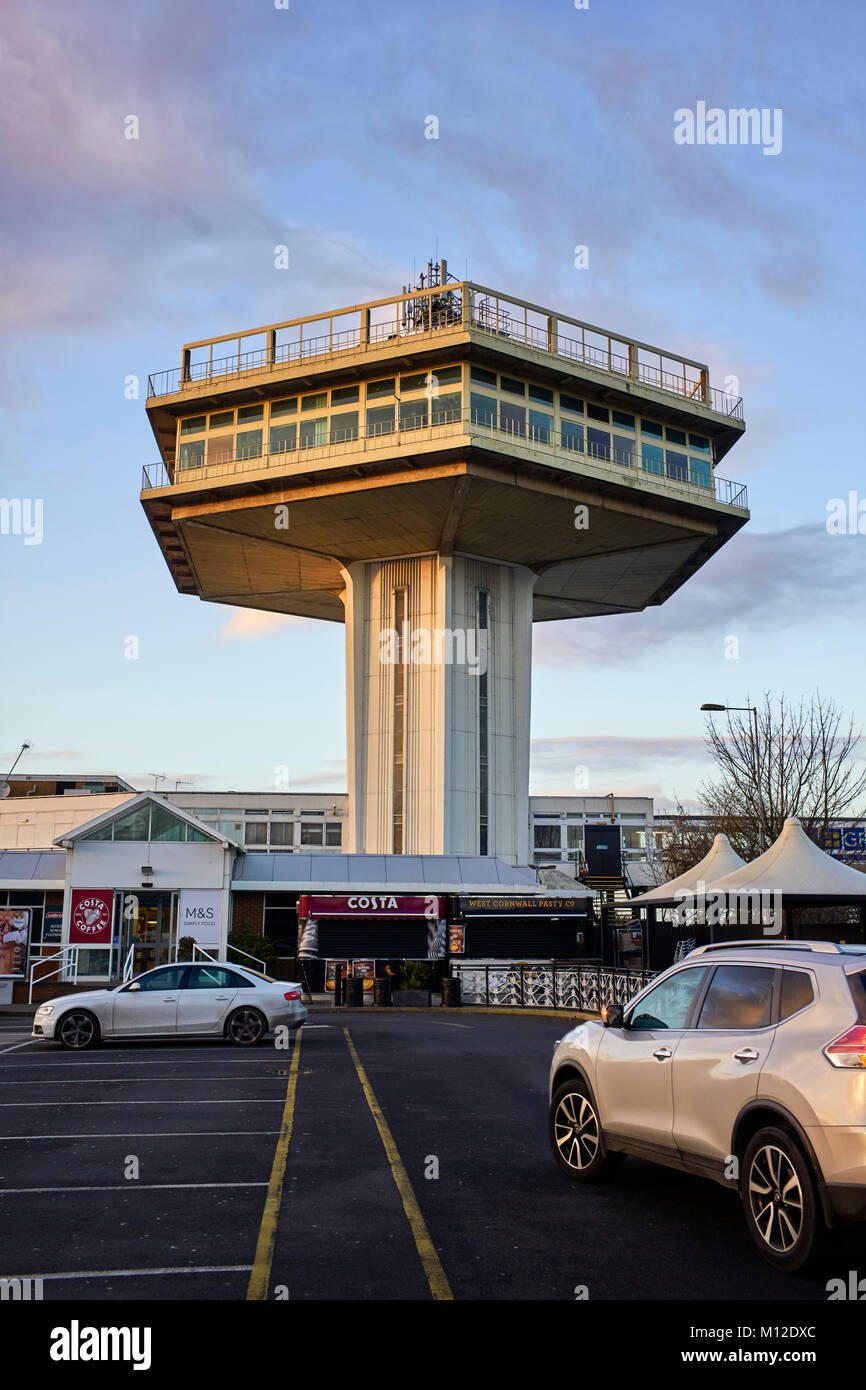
pixel 133 986
pixel 611 1016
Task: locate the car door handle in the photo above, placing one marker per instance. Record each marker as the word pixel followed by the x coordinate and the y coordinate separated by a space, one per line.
pixel 662 1054
pixel 746 1054
pixel 170 999
pixel 220 997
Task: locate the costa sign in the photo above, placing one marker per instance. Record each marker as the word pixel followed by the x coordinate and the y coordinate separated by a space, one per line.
pixel 91 917
pixel 370 905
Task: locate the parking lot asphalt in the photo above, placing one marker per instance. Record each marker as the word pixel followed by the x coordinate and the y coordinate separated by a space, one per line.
pixel 380 1156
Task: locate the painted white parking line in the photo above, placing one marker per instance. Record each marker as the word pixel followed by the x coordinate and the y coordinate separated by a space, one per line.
pixel 65 1104
pixel 137 1273
pixel 14 1048
pixel 143 1134
pixel 80 1063
pixel 438 1024
pixel 124 1080
pixel 127 1187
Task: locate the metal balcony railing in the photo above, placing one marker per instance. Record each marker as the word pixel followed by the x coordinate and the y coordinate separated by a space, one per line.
pixel 617 464
pixel 471 309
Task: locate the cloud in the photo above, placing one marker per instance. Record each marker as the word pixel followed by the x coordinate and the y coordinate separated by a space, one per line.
pixel 254 622
pixel 764 583
pixel 332 776
pixel 628 766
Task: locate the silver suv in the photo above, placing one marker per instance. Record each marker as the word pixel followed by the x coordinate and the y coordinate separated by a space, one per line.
pixel 744 1063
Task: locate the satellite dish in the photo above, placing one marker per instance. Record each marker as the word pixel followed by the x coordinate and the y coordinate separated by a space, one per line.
pixel 5 790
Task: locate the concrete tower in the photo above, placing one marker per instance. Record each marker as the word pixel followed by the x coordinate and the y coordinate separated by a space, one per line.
pixel 438 471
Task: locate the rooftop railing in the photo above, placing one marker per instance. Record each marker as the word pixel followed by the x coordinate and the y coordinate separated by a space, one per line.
pixel 619 463
pixel 462 308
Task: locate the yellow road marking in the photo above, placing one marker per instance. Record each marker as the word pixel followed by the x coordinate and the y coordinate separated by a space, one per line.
pixel 261 1272
pixel 436 1277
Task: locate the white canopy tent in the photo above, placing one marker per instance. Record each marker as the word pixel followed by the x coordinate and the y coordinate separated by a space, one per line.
pixel 722 859
pixel 796 868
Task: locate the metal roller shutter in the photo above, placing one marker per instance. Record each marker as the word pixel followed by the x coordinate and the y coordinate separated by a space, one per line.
pixel 510 939
pixel 375 938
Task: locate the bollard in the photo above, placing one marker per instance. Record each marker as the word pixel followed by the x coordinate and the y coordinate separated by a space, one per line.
pixel 338 986
pixel 450 992
pixel 353 993
pixel 381 991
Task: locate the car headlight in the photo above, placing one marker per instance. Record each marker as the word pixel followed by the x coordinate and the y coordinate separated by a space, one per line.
pixel 44 1010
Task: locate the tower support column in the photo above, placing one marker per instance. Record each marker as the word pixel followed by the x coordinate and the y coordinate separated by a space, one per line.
pixel 438 686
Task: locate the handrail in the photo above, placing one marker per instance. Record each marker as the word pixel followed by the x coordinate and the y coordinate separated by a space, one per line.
pixel 361 439
pixel 238 949
pixel 478 313
pixel 68 957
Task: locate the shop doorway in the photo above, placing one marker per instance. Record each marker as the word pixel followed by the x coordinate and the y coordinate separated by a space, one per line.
pixel 149 925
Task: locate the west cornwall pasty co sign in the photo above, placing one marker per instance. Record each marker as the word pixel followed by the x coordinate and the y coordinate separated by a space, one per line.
pixel 523 907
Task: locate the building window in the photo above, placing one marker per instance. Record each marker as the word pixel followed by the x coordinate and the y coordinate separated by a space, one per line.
pixel 224 420
pixel 280 408
pixel 333 833
pixel 623 451
pixel 483 409
pixel 191 454
pixel 249 444
pixel 282 834
pixel 512 418
pixel 652 459
pixel 220 448
pixel 541 394
pixel 572 435
pixel 344 427
pixel 445 409
pixel 317 402
pixel 194 424
pixel 597 412
pixel 413 414
pixel 283 438
pixel 248 413
pixel 650 427
pixel 380 420
pixel 572 403
pixel 701 472
pixel 313 433
pixel 483 723
pixel 625 422
pixel 540 426
pixel 345 395
pixel 510 384
pixel 399 714
pixel 675 436
pixel 547 836
pixel 256 833
pixel 598 444
pixel 380 388
pixel 482 376
pixel 311 834
pixel 677 464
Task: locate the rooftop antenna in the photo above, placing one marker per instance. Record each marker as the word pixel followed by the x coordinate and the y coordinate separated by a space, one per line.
pixel 157 778
pixel 5 788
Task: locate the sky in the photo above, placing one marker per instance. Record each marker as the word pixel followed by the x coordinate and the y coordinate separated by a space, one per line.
pixel 305 126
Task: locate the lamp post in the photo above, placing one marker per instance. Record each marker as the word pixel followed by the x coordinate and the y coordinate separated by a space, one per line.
pixel 750 709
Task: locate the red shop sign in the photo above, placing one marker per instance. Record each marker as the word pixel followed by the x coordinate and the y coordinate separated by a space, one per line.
pixel 370 905
pixel 91 917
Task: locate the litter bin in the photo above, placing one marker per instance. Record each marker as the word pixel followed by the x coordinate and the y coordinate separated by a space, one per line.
pixel 382 991
pixel 353 993
pixel 450 992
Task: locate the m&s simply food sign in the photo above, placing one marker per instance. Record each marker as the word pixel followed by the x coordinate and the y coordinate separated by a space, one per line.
pixel 198 915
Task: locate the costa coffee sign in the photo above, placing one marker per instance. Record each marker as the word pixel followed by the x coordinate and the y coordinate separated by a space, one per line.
pixel 91 917
pixel 370 905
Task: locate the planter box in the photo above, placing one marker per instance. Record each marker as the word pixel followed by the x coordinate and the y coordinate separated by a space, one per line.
pixel 410 998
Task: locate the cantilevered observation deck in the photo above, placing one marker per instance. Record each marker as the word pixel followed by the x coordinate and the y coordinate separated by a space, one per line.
pixel 447 446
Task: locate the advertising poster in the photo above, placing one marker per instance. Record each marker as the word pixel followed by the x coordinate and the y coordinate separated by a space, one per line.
pixel 330 972
pixel 14 935
pixel 198 915
pixel 365 970
pixel 456 938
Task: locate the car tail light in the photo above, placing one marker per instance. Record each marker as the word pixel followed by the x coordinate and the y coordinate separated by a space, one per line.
pixel 850 1049
pixel 292 995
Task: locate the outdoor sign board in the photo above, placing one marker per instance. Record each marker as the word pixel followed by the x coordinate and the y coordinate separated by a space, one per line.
pixel 198 915
pixel 523 907
pixel 52 924
pixel 369 905
pixel 91 915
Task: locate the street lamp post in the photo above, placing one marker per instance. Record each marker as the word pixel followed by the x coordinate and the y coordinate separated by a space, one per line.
pixel 752 710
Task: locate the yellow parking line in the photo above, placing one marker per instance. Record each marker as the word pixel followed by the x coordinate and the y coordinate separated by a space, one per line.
pixel 436 1277
pixel 261 1272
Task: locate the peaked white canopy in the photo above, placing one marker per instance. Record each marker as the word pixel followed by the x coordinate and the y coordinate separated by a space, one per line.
pixel 795 867
pixel 722 859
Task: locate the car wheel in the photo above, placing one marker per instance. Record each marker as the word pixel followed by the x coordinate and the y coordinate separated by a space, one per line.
pixel 78 1030
pixel 780 1200
pixel 576 1135
pixel 246 1027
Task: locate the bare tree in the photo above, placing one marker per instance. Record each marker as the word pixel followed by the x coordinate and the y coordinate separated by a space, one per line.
pixel 803 763
pixel 683 843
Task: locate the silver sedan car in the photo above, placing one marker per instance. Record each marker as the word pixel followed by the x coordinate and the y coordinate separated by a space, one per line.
pixel 203 999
